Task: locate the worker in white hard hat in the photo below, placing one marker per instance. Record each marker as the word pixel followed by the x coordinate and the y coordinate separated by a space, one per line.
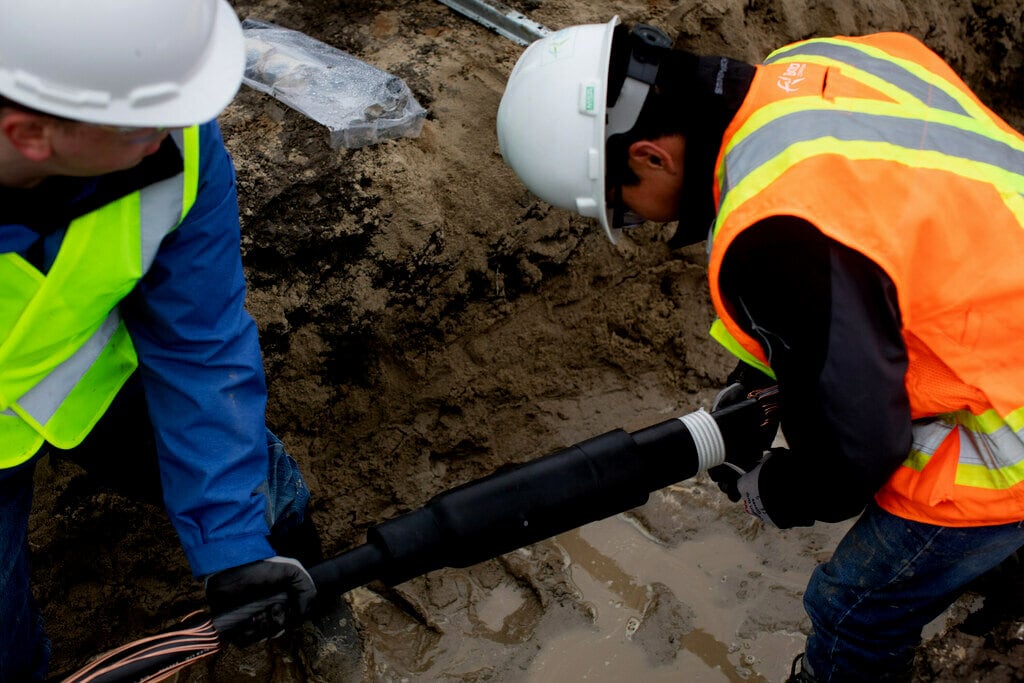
pixel 865 229
pixel 122 321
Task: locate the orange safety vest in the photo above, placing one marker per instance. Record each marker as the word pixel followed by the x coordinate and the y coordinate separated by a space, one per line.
pixel 877 143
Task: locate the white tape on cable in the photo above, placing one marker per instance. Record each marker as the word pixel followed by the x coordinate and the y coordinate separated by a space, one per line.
pixel 706 437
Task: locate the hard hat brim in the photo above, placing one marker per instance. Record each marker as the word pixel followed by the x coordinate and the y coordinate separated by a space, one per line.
pixel 197 97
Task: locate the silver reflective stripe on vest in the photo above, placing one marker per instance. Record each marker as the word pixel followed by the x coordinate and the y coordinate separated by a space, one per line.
pixel 928 436
pixel 997 450
pixel 803 126
pixel 888 71
pixel 160 212
pixel 42 400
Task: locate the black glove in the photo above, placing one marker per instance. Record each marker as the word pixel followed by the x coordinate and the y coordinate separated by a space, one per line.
pixel 259 600
pixel 745 450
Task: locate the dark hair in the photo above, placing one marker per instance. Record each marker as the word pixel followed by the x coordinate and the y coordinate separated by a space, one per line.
pixel 8 103
pixel 693 96
pixel 667 110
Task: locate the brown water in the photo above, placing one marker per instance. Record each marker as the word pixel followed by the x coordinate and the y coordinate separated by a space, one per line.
pixel 715 607
pixel 614 563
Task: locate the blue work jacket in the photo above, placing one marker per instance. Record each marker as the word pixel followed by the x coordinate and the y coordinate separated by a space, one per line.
pixel 199 357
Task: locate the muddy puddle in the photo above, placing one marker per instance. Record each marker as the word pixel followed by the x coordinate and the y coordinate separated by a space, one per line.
pixel 616 568
pixel 707 610
pixel 632 606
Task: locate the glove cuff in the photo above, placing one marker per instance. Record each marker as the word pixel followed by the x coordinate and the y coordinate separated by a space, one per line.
pixel 750 494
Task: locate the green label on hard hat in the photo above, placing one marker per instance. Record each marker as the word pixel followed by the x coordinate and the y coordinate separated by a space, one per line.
pixel 589 98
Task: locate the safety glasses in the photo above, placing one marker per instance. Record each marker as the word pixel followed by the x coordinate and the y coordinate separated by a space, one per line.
pixel 134 134
pixel 619 215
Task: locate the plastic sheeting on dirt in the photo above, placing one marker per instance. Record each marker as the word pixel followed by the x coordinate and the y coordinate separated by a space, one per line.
pixel 358 103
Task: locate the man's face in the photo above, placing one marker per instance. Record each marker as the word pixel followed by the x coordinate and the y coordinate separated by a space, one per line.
pixel 86 149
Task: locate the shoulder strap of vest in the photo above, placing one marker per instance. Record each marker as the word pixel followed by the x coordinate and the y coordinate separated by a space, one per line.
pixel 188 142
pixel 60 330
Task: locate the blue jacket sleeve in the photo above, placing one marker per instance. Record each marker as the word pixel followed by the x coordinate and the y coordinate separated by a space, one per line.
pixel 201 369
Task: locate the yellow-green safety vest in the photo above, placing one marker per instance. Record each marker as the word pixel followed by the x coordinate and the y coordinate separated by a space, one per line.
pixel 64 350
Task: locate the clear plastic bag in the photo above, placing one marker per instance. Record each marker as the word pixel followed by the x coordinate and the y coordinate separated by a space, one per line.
pixel 358 103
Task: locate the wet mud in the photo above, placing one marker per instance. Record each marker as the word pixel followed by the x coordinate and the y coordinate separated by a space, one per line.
pixel 425 320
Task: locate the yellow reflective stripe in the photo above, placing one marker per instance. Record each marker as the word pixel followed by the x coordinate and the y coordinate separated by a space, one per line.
pixel 1015 204
pixel 978 476
pixel 768 113
pixel 902 98
pixel 756 181
pixel 991 454
pixel 982 477
pixel 878 83
pixel 190 157
pixel 85 401
pixel 917 460
pixel 977 120
pixel 980 124
pixel 990 421
pixel 759 179
pixel 850 105
pixel 998 450
pixel 720 333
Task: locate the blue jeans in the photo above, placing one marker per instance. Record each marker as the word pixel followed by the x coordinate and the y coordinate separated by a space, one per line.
pixel 24 648
pixel 888 578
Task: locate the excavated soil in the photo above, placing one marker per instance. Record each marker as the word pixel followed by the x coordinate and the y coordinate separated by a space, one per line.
pixel 425 320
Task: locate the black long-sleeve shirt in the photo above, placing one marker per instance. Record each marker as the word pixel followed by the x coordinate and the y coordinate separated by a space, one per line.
pixel 829 322
pixel 828 319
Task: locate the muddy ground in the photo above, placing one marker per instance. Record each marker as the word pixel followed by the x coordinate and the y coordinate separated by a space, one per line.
pixel 426 320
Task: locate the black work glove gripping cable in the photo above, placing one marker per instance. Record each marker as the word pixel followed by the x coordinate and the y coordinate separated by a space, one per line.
pixel 743 383
pixel 259 600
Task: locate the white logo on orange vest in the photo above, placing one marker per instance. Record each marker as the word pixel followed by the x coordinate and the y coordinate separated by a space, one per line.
pixel 792 77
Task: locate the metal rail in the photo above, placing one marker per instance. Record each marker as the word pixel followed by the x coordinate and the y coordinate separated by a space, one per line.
pixel 500 18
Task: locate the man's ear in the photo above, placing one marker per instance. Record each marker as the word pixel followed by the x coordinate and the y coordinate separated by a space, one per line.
pixel 28 133
pixel 655 155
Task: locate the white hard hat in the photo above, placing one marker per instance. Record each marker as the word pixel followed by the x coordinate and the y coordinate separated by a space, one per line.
pixel 122 62
pixel 554 119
